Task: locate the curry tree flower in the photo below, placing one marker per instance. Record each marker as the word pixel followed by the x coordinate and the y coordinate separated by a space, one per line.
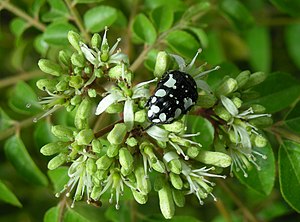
pixel 105 55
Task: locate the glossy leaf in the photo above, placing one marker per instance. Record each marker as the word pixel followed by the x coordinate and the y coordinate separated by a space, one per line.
pixel 237 13
pixel 87 1
pixel 42 133
pixel 162 18
pixel 214 53
pixel 173 4
pixel 19 157
pixel 58 11
pixel 8 196
pixel 23 99
pixel 36 6
pixel 98 17
pixel 18 26
pixel 56 33
pixel 201 36
pixel 59 178
pixel 73 216
pixel 289 173
pixel 144 29
pixel 52 215
pixel 293 118
pixel 5 120
pixel 261 181
pixel 277 92
pixel 183 43
pixel 40 45
pixel 258 41
pixel 291 7
pixel 292 33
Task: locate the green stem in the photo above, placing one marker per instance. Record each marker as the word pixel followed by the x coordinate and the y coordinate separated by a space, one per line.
pixel 281 132
pixel 23 76
pixel 15 10
pixel 77 19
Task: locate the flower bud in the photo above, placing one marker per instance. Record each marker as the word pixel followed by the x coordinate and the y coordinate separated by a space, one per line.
pixel 96 146
pixel 255 79
pixel 92 93
pixel 126 159
pixel 139 197
pixel 78 70
pixel 104 162
pixel 78 59
pixel 96 191
pixel 74 39
pixel 62 85
pixel 161 64
pixel 115 108
pixel 226 87
pixel 131 141
pixel 48 84
pixel 50 67
pixel 70 108
pixel 242 78
pixel 258 109
pixel 140 116
pixel 84 137
pixel 159 166
pixel 57 161
pixel 112 150
pixel 237 102
pixel 178 197
pixel 96 41
pixel 261 122
pixel 75 100
pixel 98 73
pixel 176 127
pixel 192 151
pixel 259 140
pixel 214 158
pixel 147 148
pixel 100 174
pixel 104 52
pixel 222 113
pixel 159 182
pixel 206 101
pixel 53 148
pixel 117 134
pixel 142 181
pixel 175 166
pixel 91 166
pixel 64 58
pixel 83 113
pixel 166 202
pixel 62 132
pixel 176 181
pixel 76 82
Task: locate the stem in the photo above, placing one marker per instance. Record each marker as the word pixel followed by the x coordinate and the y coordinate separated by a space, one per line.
pixel 222 209
pixel 62 207
pixel 285 133
pixel 77 19
pixel 23 76
pixel 15 10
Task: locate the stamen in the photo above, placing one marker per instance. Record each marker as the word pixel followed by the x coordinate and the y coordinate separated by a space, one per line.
pixel 193 60
pixel 206 72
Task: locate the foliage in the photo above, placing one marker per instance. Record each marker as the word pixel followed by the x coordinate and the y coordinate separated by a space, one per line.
pixel 71 94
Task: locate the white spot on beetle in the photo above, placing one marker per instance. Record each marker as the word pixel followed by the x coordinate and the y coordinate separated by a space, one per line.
pixel 155 120
pixel 177 113
pixel 162 117
pixel 153 100
pixel 171 95
pixel 170 82
pixel 187 102
pixel 177 102
pixel 150 113
pixel 160 93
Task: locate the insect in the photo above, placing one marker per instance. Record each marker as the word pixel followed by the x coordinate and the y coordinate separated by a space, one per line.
pixel 175 94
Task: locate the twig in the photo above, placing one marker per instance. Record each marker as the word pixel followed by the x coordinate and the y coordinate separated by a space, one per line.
pixel 222 209
pixel 23 76
pixel 278 131
pixel 10 7
pixel 62 206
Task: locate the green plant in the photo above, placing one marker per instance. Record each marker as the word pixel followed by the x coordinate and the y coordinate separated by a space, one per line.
pixel 90 115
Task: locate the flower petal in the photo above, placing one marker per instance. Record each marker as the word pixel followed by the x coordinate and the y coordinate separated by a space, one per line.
pixel 128 114
pixel 106 102
pixel 158 133
pixel 180 61
pixel 229 105
pixel 203 85
pixel 88 53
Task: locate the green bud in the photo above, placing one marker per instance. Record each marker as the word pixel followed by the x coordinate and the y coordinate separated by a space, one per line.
pixel 126 171
pixel 161 144
pixel 117 134
pixel 206 101
pixel 222 113
pixel 259 140
pixel 76 82
pixel 176 127
pixel 159 182
pixel 50 67
pixel 78 59
pixel 126 159
pixel 115 108
pixel 96 191
pixel 62 85
pixel 96 41
pixel 140 116
pixel 87 70
pixel 242 78
pixel 142 181
pixel 139 197
pixel 166 202
pixel 57 161
pixel 53 148
pixel 101 174
pixel 175 166
pixel 104 53
pixel 214 158
pixel 48 84
pixel 91 166
pixel 159 166
pixel 104 162
pixel 178 197
pixel 96 146
pixel 176 181
pixel 261 122
pixel 112 150
pixel 83 113
pixel 149 152
pixel 64 58
pixel 192 151
pixel 161 64
pixel 92 93
pixel 62 132
pixel 232 136
pixel 98 73
pixel 70 108
pixel 131 141
pixel 78 70
pixel 237 102
pixel 255 79
pixel 226 87
pixel 75 100
pixel 74 39
pixel 84 137
pixel 258 109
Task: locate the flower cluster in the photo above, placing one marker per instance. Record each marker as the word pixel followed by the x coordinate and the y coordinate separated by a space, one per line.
pixel 124 154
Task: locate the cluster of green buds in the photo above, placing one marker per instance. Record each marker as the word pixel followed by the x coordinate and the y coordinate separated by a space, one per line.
pixel 131 154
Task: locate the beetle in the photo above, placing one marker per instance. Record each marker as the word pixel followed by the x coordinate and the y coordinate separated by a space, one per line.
pixel 176 93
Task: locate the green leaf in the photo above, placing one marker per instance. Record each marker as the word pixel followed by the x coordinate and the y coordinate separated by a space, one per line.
pixel 261 181
pixel 56 33
pixel 293 118
pixel 8 196
pixel 36 6
pixel 183 43
pixel 206 129
pixel 162 18
pixel 277 92
pixel 18 26
pixel 289 173
pixel 19 157
pixel 201 36
pixel 87 1
pixel 258 41
pixel 23 99
pixel 292 33
pixel 59 178
pixel 123 214
pixel 151 59
pixel 97 18
pixel 291 7
pixel 52 215
pixel 73 216
pixel 58 11
pixel 214 53
pixel 237 13
pixel 175 5
pixel 144 29
pixel 42 133
pixel 5 120
pixel 40 45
